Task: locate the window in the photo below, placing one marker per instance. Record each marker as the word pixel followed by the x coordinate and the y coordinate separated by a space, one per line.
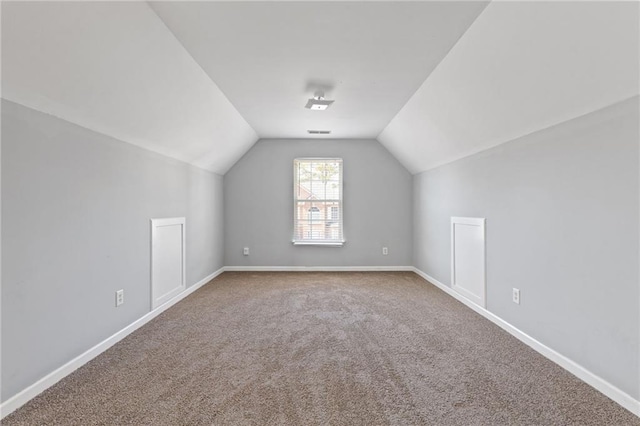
pixel 317 192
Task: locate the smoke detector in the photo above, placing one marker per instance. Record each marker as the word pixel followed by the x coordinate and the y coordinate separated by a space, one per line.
pixel 318 102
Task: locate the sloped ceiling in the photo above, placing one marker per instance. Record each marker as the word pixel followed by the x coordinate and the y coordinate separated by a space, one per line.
pixel 113 67
pixel 521 67
pixel 270 57
pixel 434 81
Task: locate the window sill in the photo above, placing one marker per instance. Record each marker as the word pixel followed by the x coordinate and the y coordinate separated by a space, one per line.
pixel 319 243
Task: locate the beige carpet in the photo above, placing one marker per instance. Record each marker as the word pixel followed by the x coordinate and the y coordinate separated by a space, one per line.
pixel 320 348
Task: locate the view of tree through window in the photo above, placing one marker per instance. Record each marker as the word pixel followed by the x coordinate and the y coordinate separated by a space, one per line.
pixel 318 200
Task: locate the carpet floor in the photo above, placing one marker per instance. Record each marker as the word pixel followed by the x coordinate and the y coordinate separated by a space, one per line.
pixel 370 348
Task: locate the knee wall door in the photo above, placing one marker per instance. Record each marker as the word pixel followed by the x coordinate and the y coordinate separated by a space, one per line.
pixel 167 259
pixel 468 264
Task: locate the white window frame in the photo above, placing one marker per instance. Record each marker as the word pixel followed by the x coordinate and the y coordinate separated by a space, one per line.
pixel 318 242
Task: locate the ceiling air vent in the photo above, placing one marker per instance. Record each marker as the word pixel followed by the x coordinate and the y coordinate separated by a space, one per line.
pixel 319 132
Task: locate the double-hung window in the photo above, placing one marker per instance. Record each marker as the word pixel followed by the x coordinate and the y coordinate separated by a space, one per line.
pixel 317 201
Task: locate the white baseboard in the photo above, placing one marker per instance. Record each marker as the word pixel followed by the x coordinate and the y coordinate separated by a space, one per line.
pixel 318 268
pixel 617 395
pixel 52 378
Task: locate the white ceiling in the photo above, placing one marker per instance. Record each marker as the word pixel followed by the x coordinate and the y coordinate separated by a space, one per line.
pixel 269 57
pixel 521 67
pixel 437 83
pixel 113 67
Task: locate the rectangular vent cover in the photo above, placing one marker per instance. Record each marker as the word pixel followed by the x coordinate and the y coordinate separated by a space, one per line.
pixel 319 132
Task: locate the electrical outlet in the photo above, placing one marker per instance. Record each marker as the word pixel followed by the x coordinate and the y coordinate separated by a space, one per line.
pixel 245 251
pixel 385 251
pixel 516 296
pixel 119 297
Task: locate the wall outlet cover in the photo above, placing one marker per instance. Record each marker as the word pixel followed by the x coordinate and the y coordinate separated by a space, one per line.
pixel 119 297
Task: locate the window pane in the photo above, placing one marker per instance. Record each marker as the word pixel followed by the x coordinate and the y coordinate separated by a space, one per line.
pixel 333 190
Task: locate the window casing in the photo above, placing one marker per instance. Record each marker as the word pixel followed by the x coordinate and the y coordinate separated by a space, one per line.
pixel 317 200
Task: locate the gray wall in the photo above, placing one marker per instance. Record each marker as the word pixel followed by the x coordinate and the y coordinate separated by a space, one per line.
pixel 259 206
pixel 75 228
pixel 562 226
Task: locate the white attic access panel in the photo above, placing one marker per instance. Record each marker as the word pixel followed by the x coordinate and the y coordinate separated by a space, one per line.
pixel 168 259
pixel 468 258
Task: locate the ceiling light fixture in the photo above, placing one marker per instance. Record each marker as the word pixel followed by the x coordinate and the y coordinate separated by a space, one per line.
pixel 318 102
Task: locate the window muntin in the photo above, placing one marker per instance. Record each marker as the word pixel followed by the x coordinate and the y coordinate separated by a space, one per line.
pixel 318 201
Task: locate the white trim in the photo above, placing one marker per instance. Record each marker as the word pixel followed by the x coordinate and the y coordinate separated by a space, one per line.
pixel 324 243
pixel 617 395
pixel 21 398
pixel 296 168
pixel 475 221
pixel 481 299
pixel 159 300
pixel 318 268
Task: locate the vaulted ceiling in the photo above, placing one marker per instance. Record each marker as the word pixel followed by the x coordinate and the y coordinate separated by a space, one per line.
pixel 270 58
pixel 432 81
pixel 521 67
pixel 115 68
